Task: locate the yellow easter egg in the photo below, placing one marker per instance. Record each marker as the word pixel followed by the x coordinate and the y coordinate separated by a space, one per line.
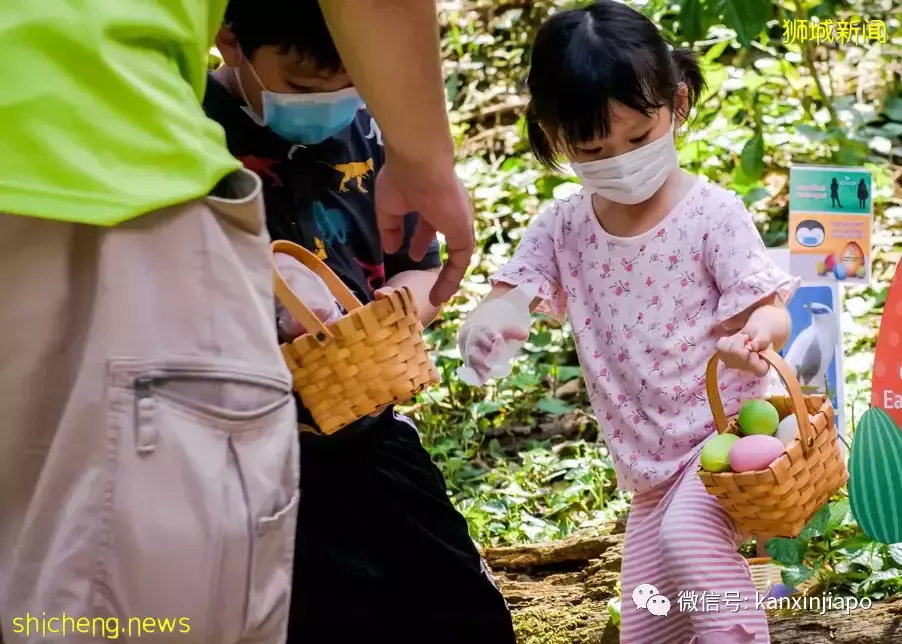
pixel 852 256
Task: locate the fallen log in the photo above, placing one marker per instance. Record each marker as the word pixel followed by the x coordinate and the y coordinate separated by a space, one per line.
pixel 558 594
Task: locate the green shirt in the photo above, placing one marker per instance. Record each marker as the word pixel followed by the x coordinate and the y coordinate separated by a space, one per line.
pixel 100 107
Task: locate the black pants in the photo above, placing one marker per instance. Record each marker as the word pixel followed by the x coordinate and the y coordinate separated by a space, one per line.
pixel 381 554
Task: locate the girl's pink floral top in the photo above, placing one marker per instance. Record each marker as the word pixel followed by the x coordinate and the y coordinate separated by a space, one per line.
pixel 643 310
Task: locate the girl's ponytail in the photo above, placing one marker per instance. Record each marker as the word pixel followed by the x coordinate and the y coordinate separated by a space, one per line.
pixel 689 73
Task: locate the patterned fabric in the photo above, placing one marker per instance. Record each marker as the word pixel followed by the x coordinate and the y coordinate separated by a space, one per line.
pixel 680 541
pixel 643 310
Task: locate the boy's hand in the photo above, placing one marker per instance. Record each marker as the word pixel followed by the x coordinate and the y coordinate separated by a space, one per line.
pixel 740 351
pixel 310 289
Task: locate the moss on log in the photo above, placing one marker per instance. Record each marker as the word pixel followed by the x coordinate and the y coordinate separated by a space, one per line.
pixel 558 594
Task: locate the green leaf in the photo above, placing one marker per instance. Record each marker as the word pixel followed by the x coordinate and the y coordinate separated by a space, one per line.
pixel 812 132
pixel 614 611
pixel 895 551
pixel 789 552
pixel 817 525
pixel 795 576
pixel 691 20
pixel 755 194
pixel 451 87
pixel 893 108
pixel 838 513
pixel 715 51
pixel 853 545
pixel 567 373
pixel 554 406
pixel 746 17
pixel 540 339
pixel 752 158
pixel 882 575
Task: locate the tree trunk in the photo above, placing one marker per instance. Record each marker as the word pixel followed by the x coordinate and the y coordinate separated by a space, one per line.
pixel 558 594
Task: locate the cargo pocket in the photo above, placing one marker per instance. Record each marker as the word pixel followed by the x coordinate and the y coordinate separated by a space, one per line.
pixel 200 497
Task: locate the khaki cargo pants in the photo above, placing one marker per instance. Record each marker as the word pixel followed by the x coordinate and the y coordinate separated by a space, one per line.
pixel 148 445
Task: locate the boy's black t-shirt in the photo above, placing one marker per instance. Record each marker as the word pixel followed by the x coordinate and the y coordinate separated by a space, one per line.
pixel 321 197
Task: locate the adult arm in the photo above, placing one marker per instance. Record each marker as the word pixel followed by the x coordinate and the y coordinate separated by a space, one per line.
pixel 390 48
pixel 391 51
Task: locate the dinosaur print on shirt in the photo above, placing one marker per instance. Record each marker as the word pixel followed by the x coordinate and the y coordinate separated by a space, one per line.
pixel 354 171
pixel 262 167
pixel 331 224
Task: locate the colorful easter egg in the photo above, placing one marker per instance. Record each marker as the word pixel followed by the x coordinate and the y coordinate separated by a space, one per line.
pixel 758 417
pixel 788 430
pixel 753 453
pixel 852 256
pixel 715 456
pixel 840 272
pixel 875 476
pixel 821 268
pixel 830 262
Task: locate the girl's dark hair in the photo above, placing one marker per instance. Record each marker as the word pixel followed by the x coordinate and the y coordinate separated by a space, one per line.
pixel 583 60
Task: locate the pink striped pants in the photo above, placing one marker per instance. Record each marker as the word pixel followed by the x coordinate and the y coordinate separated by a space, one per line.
pixel 679 540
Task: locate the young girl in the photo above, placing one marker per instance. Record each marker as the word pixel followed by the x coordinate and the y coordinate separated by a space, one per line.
pixel 657 270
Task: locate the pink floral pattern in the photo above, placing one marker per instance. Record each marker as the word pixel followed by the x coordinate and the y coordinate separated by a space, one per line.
pixel 643 309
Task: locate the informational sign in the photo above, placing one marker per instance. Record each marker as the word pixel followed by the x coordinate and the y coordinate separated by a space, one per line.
pixel 814 351
pixel 886 388
pixel 830 215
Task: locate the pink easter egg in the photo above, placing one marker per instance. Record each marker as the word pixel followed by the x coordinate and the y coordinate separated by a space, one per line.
pixel 755 452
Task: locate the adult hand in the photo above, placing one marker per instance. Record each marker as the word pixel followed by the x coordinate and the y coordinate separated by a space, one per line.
pixel 443 205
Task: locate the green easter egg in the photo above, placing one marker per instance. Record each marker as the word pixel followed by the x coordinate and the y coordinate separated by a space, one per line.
pixel 758 417
pixel 715 456
pixel 875 476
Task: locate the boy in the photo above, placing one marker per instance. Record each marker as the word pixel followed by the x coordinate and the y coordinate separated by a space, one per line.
pixel 381 553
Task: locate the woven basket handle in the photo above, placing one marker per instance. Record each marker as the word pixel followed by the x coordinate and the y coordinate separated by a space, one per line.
pixel 806 433
pixel 293 303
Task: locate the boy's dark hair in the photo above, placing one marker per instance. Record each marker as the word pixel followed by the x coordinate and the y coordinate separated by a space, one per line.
pixel 291 25
pixel 585 59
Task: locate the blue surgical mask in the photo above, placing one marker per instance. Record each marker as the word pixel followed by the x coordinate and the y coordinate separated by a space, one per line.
pixel 305 119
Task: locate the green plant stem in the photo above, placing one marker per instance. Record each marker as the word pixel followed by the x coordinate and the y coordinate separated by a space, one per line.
pixel 808 59
pixel 807 56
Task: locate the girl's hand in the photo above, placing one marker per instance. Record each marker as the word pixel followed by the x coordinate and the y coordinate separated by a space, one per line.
pixel 478 343
pixel 740 351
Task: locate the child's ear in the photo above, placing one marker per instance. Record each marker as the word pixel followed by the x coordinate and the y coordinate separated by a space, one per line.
pixel 681 106
pixel 228 47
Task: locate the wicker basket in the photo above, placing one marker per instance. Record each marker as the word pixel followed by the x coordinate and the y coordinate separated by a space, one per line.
pixel 765 574
pixel 779 501
pixel 373 357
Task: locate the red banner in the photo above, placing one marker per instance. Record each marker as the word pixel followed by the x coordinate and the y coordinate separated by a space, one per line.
pixel 886 391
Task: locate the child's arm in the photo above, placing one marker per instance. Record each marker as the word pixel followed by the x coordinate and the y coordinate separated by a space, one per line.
pixel 501 288
pixel 764 325
pixel 751 310
pixel 420 283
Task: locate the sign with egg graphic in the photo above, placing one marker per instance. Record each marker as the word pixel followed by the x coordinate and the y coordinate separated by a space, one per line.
pixel 830 214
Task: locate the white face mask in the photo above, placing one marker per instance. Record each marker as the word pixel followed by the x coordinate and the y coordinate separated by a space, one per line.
pixel 633 177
